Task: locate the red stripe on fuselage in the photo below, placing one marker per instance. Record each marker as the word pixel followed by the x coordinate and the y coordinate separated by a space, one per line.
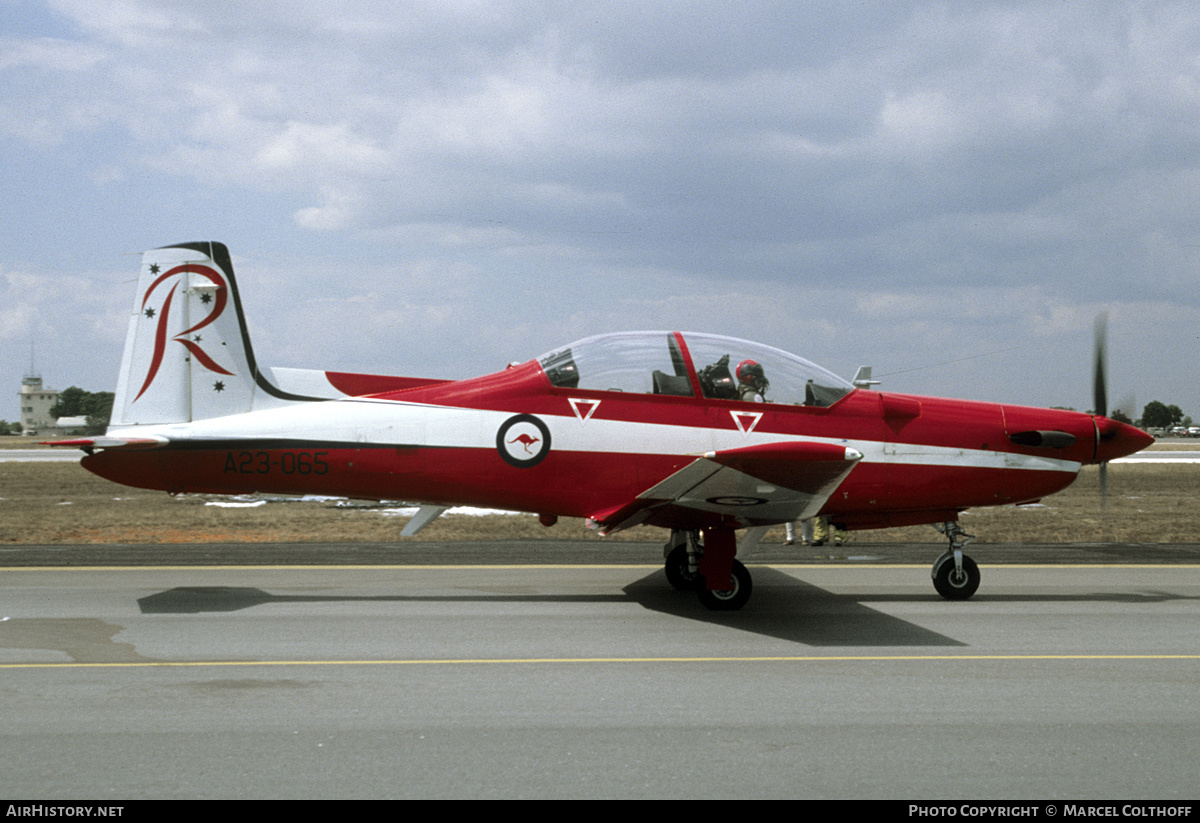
pixel 569 484
pixel 357 385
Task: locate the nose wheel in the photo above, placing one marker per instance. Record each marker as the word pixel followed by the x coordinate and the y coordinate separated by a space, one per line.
pixel 952 581
pixel 955 576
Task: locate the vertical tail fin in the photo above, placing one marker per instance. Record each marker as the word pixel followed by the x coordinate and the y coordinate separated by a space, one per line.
pixel 187 353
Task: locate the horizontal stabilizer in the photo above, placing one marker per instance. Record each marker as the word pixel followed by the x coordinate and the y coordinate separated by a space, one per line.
pixel 105 442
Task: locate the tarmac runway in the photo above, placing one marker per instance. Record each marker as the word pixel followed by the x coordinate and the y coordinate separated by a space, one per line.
pixel 179 674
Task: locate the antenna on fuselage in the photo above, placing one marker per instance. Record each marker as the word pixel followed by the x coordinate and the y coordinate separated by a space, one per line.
pixel 862 378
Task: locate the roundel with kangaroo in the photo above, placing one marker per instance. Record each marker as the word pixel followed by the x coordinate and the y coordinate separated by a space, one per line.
pixel 523 441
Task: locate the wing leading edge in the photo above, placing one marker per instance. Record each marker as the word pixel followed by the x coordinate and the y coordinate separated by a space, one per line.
pixel 752 486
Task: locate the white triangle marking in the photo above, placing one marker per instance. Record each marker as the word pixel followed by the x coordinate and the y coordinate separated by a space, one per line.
pixel 584 409
pixel 745 421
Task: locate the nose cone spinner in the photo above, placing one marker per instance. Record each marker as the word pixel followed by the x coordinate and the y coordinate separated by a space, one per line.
pixel 1114 439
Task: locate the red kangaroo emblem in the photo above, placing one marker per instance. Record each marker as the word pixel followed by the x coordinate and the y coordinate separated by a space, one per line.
pixel 525 440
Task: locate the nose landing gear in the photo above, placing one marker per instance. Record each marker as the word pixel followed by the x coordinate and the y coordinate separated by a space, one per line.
pixel 955 576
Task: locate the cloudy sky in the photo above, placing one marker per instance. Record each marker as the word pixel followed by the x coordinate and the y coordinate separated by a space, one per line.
pixel 949 192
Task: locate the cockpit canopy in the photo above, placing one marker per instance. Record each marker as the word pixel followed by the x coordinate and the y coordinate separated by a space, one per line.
pixel 687 364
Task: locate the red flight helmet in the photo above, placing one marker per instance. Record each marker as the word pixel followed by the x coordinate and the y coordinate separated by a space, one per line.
pixel 751 373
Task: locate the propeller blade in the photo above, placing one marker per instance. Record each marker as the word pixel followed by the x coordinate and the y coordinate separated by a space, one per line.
pixel 1100 393
pixel 1104 485
pixel 1127 405
pixel 1099 380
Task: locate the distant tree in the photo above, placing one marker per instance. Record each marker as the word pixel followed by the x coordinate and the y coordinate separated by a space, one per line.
pixel 4 429
pixel 70 403
pixel 98 410
pixel 1158 415
pixel 1120 416
pixel 95 406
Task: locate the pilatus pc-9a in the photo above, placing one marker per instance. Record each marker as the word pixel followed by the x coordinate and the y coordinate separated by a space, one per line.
pixel 696 433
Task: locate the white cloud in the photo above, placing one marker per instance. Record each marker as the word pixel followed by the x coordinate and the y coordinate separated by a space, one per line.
pixel 133 23
pixel 49 54
pixel 892 180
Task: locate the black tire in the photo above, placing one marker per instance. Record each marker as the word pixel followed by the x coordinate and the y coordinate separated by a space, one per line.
pixel 677 571
pixel 731 600
pixel 954 586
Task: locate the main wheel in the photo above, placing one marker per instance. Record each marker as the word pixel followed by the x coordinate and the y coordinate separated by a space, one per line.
pixel 952 584
pixel 732 599
pixel 677 571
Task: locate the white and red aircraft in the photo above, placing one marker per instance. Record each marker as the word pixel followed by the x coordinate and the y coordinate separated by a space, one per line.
pixel 696 433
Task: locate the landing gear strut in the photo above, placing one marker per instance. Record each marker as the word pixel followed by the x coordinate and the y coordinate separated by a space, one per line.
pixel 682 553
pixel 689 568
pixel 955 576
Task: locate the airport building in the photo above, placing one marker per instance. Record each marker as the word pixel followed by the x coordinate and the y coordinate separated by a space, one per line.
pixel 36 402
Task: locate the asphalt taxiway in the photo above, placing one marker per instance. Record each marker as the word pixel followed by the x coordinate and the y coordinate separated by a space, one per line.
pixel 267 678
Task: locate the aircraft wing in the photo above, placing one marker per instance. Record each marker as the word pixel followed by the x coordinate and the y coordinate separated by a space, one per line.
pixel 755 485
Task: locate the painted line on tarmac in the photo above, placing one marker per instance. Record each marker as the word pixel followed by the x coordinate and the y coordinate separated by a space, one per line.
pixel 521 661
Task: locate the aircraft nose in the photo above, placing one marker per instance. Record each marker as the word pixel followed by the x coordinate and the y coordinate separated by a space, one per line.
pixel 1118 439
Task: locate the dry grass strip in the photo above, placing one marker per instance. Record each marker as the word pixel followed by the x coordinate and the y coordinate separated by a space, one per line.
pixel 60 503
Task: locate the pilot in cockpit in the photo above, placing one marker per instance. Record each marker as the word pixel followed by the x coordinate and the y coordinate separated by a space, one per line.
pixel 752 381
pixel 717 382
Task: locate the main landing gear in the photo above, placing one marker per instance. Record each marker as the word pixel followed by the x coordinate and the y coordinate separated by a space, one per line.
pixel 955 576
pixel 691 562
pixel 694 558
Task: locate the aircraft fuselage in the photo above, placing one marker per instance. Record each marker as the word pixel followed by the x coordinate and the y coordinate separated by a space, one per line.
pixel 513 441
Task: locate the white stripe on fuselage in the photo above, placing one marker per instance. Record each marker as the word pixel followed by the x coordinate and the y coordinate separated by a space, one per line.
pixel 389 422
